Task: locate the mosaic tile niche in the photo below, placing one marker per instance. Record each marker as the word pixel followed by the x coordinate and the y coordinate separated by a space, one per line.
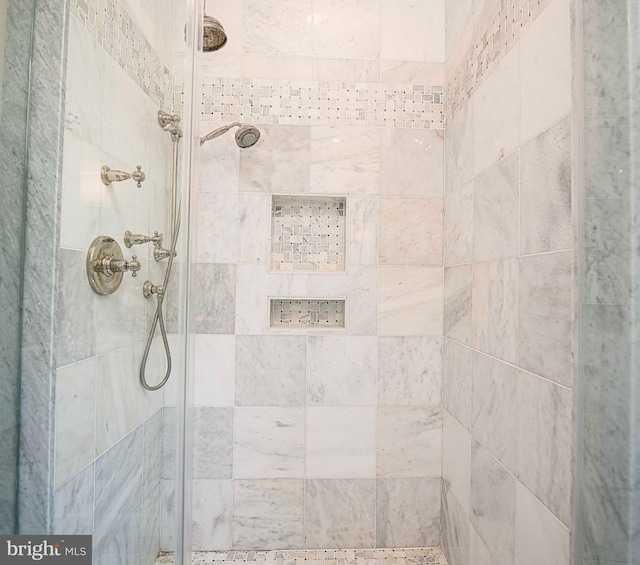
pixel 307 313
pixel 308 233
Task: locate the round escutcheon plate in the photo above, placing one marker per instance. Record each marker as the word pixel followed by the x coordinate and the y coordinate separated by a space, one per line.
pixel 100 281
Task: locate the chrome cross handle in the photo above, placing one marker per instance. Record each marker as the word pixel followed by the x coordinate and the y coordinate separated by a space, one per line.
pixel 108 176
pixel 111 265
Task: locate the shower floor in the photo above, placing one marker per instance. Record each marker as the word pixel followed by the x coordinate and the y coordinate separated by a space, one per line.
pixel 394 556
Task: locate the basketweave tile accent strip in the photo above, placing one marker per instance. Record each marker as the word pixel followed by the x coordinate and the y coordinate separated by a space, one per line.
pixel 390 556
pixel 297 102
pixel 307 313
pixel 504 30
pixel 111 26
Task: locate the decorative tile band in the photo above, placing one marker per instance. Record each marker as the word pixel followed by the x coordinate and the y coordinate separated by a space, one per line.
pixel 386 556
pixel 294 313
pixel 111 26
pixel 504 30
pixel 308 233
pixel 297 102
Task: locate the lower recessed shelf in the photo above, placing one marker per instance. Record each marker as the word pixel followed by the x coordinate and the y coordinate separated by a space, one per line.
pixel 307 313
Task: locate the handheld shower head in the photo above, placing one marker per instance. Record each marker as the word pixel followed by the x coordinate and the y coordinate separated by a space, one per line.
pixel 246 136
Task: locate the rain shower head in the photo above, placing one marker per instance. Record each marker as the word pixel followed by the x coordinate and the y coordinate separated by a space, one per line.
pixel 246 136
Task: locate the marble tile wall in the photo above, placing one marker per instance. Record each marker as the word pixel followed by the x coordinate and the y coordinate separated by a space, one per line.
pixel 109 430
pixel 336 433
pixel 509 286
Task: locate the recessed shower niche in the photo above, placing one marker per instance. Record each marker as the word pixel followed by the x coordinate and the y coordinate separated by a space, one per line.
pixel 308 233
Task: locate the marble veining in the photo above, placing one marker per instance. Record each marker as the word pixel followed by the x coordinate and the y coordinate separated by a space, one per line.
pixel 457 303
pixel 212 443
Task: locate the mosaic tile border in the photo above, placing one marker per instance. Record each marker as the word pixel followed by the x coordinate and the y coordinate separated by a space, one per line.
pixel 504 30
pixel 111 26
pixel 298 102
pixel 296 313
pixel 395 556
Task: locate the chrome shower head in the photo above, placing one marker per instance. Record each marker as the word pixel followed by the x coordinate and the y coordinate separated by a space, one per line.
pixel 246 136
pixel 213 35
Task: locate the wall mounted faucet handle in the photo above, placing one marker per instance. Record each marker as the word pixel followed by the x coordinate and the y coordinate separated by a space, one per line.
pixel 138 238
pixel 108 175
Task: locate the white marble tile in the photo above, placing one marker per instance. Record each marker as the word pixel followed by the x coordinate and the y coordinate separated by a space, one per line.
pixel 340 513
pixel 150 525
pixel 362 230
pixel 545 69
pixel 118 486
pixel 346 29
pixel 496 113
pixel 455 530
pixel 75 418
pixel 540 537
pixel 409 441
pixel 270 370
pixel 456 461
pixel 76 321
pixel 457 379
pixel 277 27
pixel 412 162
pixel 73 505
pixel 290 68
pixel 494 415
pixel 217 234
pixel 341 441
pixel 409 370
pixel 344 160
pixel 408 512
pixel 82 196
pixel 121 403
pixel 122 546
pixel 496 211
pixel 545 191
pixel 268 514
pixel 459 23
pixel 342 370
pixel 153 430
pixel 459 149
pixel 413 30
pixel 495 308
pixel 84 84
pixel 214 370
pixel 169 442
pixel 458 225
pixel 167 532
pixel 493 505
pixel 412 72
pixel 212 443
pixel 254 287
pixel 410 301
pixel 253 228
pixel 546 316
pixel 268 442
pixel 219 161
pixel 545 429
pixel 212 508
pixel 411 231
pixel 214 301
pixel 360 287
pixel 279 162
pixel 458 283
pixel 346 70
